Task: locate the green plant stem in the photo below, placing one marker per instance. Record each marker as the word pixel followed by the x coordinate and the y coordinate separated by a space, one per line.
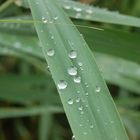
pixel 5 5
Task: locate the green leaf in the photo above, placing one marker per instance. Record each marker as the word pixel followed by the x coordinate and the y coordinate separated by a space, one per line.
pixel 82 11
pixel 95 115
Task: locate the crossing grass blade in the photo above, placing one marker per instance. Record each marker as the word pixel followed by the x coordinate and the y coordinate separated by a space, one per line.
pixel 86 100
pixel 78 10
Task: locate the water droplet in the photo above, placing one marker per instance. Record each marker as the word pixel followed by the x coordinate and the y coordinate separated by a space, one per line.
pixel 78 91
pixel 98 89
pixel 78 15
pixel 77 9
pixel 52 37
pixel 73 137
pixel 72 54
pixel 44 20
pixel 55 18
pixel 86 106
pixel 111 122
pixel 85 133
pixel 89 11
pixel 72 71
pixel 50 52
pixel 82 112
pixel 80 108
pixel 80 64
pixel 91 126
pixel 77 100
pixel 80 125
pixel 67 7
pixel 70 101
pixel 77 79
pixel 17 45
pixel 62 84
pixel 86 94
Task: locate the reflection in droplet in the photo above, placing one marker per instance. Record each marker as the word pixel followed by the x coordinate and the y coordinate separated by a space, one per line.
pixel 77 79
pixel 72 71
pixel 72 54
pixel 50 52
pixel 62 84
pixel 70 101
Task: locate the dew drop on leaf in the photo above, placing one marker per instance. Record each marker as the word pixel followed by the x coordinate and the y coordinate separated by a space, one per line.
pixel 62 84
pixel 77 79
pixel 72 71
pixel 67 7
pixel 70 102
pixel 72 54
pixel 80 108
pixel 50 52
pixel 89 11
pixel 98 89
pixel 77 100
pixel 77 9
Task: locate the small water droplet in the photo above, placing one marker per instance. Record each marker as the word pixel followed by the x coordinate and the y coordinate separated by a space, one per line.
pixel 17 45
pixel 91 126
pixel 62 84
pixel 73 137
pixel 55 18
pixel 77 100
pixel 80 64
pixel 82 112
pixel 50 52
pixel 78 15
pixel 67 7
pixel 89 11
pixel 77 9
pixel 77 79
pixel 86 94
pixel 98 89
pixel 80 125
pixel 78 91
pixel 72 54
pixel 111 122
pixel 80 108
pixel 52 37
pixel 72 71
pixel 85 133
pixel 70 102
pixel 44 20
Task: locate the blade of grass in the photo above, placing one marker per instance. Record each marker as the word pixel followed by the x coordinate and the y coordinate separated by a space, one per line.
pixel 94 112
pixel 82 11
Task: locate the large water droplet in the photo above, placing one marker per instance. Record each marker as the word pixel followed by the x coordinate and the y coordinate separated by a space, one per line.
pixel 73 137
pixel 70 102
pixel 77 79
pixel 62 84
pixel 98 89
pixel 72 71
pixel 72 54
pixel 50 52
